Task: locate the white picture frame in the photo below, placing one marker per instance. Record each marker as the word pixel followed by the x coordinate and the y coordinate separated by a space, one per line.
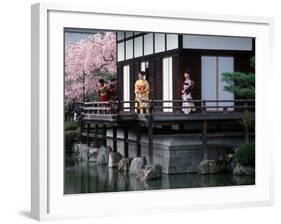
pixel 48 201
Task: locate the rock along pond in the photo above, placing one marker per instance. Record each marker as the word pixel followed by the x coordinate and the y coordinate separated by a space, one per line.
pixel 87 177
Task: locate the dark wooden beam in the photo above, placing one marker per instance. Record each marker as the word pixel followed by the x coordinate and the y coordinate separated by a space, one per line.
pixel 96 135
pixel 126 146
pixel 88 134
pixel 150 142
pixel 104 134
pixel 114 134
pixel 204 140
pixel 81 131
pixel 138 137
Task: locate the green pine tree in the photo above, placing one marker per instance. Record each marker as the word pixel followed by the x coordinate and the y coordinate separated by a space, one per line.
pixel 241 84
pixel 243 87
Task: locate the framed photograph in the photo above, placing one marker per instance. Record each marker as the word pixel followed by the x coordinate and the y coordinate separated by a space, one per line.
pixel 148 111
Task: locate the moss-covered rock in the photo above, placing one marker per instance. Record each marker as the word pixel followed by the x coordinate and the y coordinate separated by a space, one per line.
pixel 245 155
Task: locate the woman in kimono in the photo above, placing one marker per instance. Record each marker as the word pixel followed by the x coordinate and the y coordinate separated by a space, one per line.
pixel 102 91
pixel 187 104
pixel 141 94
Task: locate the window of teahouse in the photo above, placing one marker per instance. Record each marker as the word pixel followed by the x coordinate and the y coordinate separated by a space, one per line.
pixel 217 42
pixel 212 88
pixel 121 52
pixel 148 44
pixel 120 35
pixel 172 41
pixel 167 83
pixel 159 42
pixel 138 47
pixel 129 49
pixel 126 86
pixel 129 34
pixel 144 65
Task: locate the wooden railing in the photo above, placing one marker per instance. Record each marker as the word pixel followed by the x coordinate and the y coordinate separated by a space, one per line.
pixel 166 106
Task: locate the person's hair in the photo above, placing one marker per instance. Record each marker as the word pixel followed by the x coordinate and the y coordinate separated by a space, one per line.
pixel 142 73
pixel 101 81
pixel 187 71
pixel 113 79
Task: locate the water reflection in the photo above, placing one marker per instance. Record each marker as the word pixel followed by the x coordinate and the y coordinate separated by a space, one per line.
pixel 86 177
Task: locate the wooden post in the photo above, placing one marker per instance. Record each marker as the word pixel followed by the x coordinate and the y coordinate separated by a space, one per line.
pixel 246 128
pixel 150 133
pixel 96 135
pixel 88 134
pixel 204 140
pixel 138 137
pixel 126 148
pixel 150 142
pixel 203 106
pixel 114 135
pixel 104 134
pixel 81 131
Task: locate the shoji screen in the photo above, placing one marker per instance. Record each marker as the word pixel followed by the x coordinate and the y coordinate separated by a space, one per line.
pixel 225 64
pixel 167 83
pixel 126 85
pixel 212 68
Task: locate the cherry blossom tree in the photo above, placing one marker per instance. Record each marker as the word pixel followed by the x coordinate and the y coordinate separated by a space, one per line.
pixel 87 61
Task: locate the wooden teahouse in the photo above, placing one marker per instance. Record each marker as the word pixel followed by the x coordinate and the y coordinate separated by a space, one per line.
pixel 165 57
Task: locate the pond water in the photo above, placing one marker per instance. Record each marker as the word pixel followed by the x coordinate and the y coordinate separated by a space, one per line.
pixel 87 177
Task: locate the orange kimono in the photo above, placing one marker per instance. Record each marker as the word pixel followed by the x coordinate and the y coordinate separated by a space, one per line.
pixel 141 94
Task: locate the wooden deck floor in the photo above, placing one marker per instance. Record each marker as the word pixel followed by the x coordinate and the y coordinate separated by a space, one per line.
pixel 162 117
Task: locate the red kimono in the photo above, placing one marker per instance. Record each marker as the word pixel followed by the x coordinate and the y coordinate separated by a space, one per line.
pixel 102 92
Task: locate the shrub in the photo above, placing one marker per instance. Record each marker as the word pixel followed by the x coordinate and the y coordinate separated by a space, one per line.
pixel 245 155
pixel 70 137
pixel 70 126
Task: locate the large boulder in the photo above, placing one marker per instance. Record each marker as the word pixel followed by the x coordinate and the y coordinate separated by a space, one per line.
pixel 103 155
pixel 240 170
pixel 114 158
pixel 208 167
pixel 151 172
pixel 93 152
pixel 222 166
pixel 124 164
pixel 137 165
pixel 83 153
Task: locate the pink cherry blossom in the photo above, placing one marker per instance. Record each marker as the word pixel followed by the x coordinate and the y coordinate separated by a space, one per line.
pixel 85 61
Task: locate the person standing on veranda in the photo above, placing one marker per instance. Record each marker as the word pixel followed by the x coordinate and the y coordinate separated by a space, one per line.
pixel 102 96
pixel 187 105
pixel 141 94
pixel 102 91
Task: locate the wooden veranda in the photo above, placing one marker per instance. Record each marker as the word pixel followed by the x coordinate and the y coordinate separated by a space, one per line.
pixel 124 114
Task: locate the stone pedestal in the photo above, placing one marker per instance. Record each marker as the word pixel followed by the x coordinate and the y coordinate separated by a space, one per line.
pixel 180 153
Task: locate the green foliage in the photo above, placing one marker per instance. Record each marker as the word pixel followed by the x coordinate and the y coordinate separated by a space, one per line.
pixel 253 62
pixel 245 155
pixel 248 121
pixel 241 84
pixel 70 137
pixel 71 134
pixel 70 126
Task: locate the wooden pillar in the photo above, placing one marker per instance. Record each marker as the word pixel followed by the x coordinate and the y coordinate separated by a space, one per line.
pixel 81 131
pixel 204 140
pixel 114 135
pixel 138 137
pixel 150 142
pixel 150 132
pixel 88 134
pixel 104 134
pixel 126 146
pixel 246 128
pixel 246 134
pixel 96 135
